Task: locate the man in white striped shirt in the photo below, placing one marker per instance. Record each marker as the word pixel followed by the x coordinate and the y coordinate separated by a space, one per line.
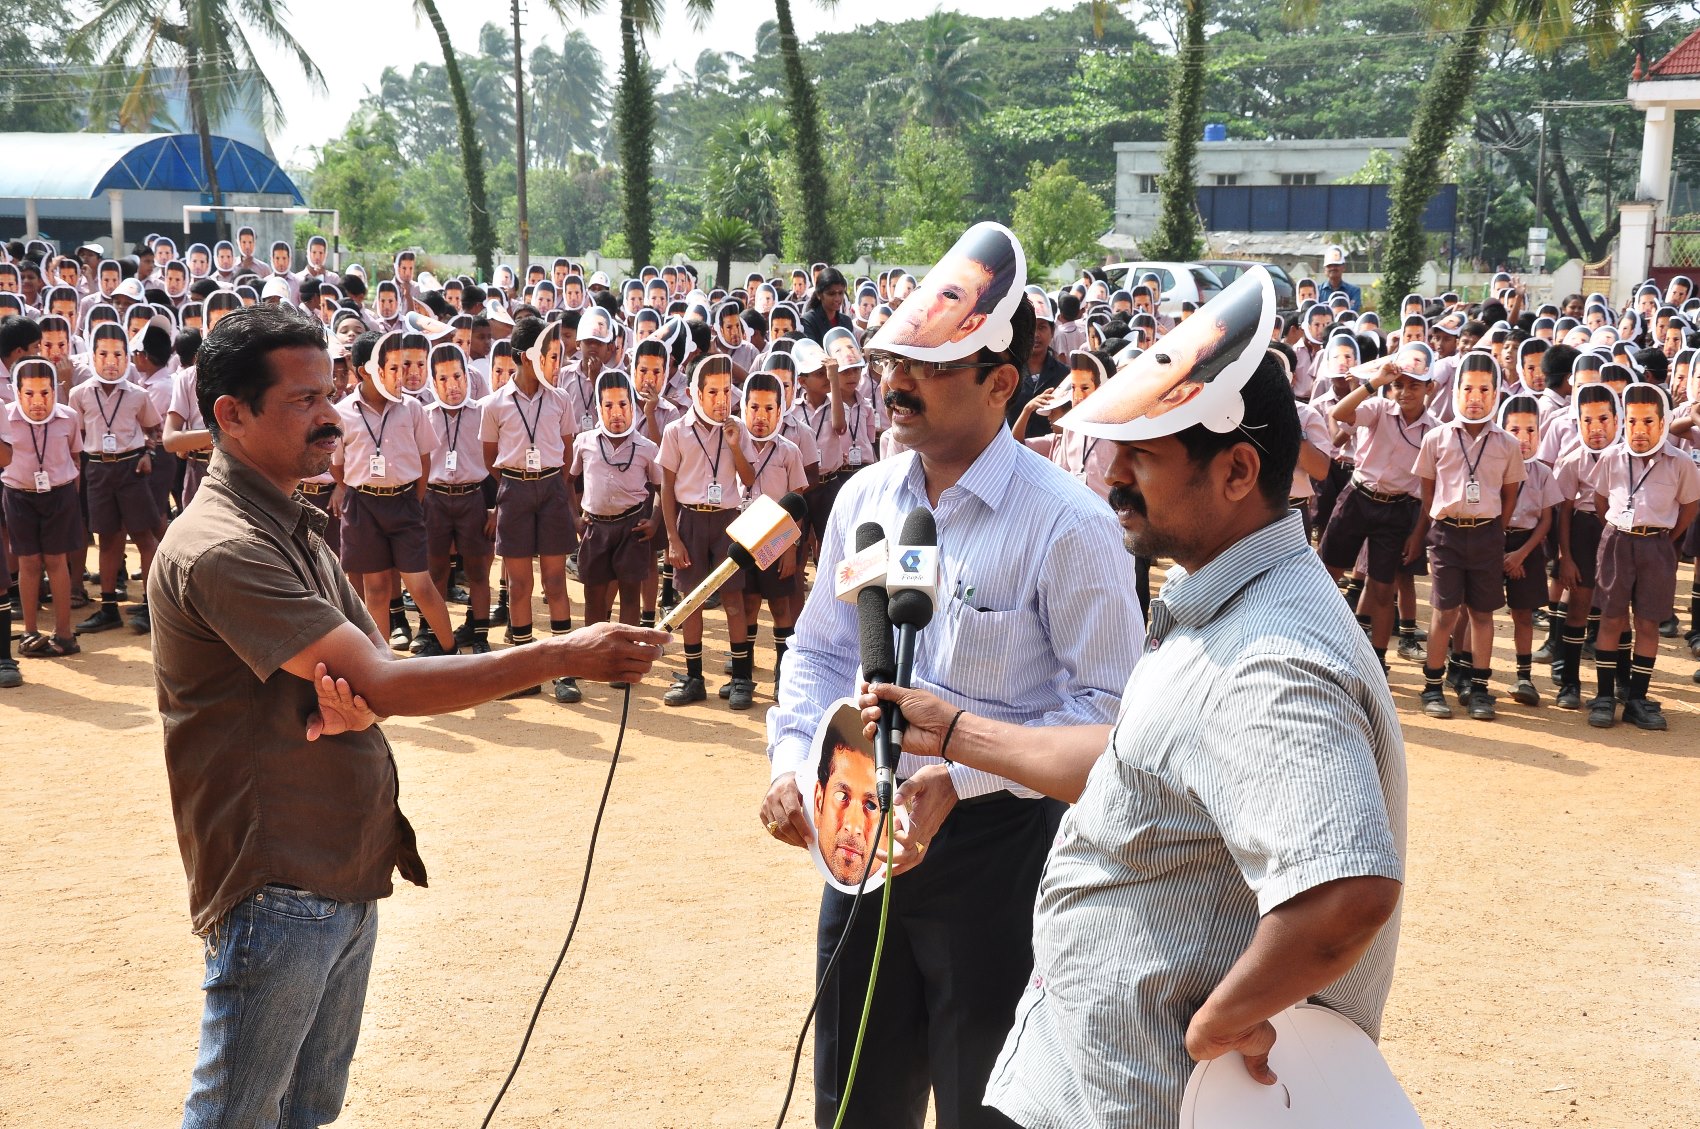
pixel 1036 625
pixel 1237 841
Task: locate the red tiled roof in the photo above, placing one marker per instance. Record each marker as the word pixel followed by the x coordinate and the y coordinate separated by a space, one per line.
pixel 1683 60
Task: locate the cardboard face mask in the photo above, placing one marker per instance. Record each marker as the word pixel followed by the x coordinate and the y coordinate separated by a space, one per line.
pixel 964 304
pixel 763 404
pixel 1646 419
pixel 840 345
pixel 711 389
pixel 109 354
pixel 1521 417
pixel 545 354
pixel 1340 356
pixel 1597 415
pixel 649 373
pixel 37 388
pixel 616 405
pixel 384 367
pixel 1475 391
pixel 840 802
pixel 448 375
pixel 1193 375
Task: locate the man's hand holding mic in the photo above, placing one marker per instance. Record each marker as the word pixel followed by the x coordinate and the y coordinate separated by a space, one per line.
pixel 927 797
pixel 607 652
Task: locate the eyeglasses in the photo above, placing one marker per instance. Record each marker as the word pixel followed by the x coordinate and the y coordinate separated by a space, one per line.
pixel 886 367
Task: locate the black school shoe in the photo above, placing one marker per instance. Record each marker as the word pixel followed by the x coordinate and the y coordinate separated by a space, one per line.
pixel 1569 697
pixel 1670 628
pixel 10 676
pixel 567 691
pixel 685 691
pixel 1481 706
pixel 743 694
pixel 103 619
pixel 1602 712
pixel 139 620
pixel 1434 703
pixel 1644 713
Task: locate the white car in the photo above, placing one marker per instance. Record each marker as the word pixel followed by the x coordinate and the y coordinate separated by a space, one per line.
pixel 1181 282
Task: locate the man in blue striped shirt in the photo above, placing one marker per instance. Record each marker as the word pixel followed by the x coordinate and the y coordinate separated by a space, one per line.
pixel 1036 625
pixel 1237 841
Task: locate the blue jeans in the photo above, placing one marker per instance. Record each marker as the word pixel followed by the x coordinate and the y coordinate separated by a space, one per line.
pixel 285 986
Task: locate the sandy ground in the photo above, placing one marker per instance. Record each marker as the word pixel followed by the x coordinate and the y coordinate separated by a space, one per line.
pixel 1547 974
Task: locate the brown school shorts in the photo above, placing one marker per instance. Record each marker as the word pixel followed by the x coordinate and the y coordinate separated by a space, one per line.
pixel 1385 526
pixel 381 532
pixel 706 543
pixel 1468 566
pixel 1530 592
pixel 534 518
pixel 456 522
pixel 47 524
pixel 1637 574
pixel 612 551
pixel 120 500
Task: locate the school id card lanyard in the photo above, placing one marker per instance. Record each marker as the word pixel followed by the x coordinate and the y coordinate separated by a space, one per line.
pixel 109 441
pixel 1472 488
pixel 714 491
pixel 1635 484
pixel 375 465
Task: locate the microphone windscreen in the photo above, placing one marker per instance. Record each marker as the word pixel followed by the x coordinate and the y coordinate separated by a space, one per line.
pixel 919 528
pixel 879 656
pixel 742 557
pixel 797 506
pixel 910 607
pixel 868 533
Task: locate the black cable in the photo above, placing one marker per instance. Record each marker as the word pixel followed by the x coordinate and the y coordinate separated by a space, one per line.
pixel 826 973
pixel 583 889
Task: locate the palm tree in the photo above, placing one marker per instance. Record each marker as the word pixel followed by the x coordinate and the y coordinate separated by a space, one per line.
pixel 943 85
pixel 818 245
pixel 634 115
pixel 569 102
pixel 1177 237
pixel 480 231
pixel 207 40
pixel 1540 26
pixel 721 238
pixel 562 9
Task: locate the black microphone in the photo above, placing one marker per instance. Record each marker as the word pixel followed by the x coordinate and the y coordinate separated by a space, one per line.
pixel 879 664
pixel 913 580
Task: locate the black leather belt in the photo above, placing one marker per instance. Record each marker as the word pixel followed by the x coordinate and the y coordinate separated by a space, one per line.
pixel 621 516
pixel 387 491
pixel 453 489
pixel 528 475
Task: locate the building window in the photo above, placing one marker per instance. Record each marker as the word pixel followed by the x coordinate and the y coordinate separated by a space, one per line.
pixel 1148 184
pixel 1294 179
pixel 1227 179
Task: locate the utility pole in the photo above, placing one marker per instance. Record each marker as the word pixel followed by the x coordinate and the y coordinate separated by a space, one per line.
pixel 1611 151
pixel 1541 167
pixel 519 153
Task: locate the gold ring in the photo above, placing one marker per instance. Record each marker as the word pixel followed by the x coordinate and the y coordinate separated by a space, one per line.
pixel 920 848
pixel 773 828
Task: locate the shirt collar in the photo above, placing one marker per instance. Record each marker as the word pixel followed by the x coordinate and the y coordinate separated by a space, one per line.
pixel 1194 599
pixel 255 489
pixel 987 478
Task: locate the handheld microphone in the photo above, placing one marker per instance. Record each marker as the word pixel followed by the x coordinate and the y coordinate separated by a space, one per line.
pixel 760 535
pixel 913 581
pixel 879 663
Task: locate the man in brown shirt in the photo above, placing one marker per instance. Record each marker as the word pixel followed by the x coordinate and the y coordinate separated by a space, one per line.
pixel 283 791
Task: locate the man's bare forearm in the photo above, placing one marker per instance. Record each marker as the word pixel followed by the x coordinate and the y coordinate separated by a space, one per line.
pixel 1052 760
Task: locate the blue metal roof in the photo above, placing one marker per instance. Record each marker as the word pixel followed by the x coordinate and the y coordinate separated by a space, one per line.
pixel 80 166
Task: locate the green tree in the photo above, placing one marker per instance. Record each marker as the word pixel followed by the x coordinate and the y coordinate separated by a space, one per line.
pixel 568 100
pixel 480 229
pixel 35 96
pixel 817 243
pixel 929 205
pixel 942 83
pixel 634 112
pixel 209 41
pixel 723 238
pixel 360 175
pixel 742 178
pixel 1057 217
pixel 1177 237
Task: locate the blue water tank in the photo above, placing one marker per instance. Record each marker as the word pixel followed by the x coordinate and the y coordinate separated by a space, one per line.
pixel 1215 131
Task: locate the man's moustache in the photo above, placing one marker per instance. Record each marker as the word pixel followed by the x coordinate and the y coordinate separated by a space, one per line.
pixel 908 403
pixel 1121 498
pixel 326 432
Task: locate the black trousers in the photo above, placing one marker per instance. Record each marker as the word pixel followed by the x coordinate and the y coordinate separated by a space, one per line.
pixel 958 952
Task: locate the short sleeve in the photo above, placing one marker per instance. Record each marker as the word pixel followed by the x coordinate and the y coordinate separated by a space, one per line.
pixel 425 435
pixel 1294 786
pixel 490 424
pixel 1426 456
pixel 251 597
pixel 796 479
pixel 1687 480
pixel 669 456
pixel 1550 494
pixel 578 458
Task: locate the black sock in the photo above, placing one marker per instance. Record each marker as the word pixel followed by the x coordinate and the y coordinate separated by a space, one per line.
pixel 1694 602
pixel 1625 663
pixel 1594 625
pixel 519 634
pixel 646 619
pixel 743 662
pixel 781 643
pixel 1381 655
pixel 6 631
pixel 1363 621
pixel 109 601
pixel 1557 608
pixel 1455 665
pixel 1605 667
pixel 469 620
pixel 1408 627
pixel 398 617
pixel 751 634
pixel 502 597
pixel 1479 678
pixel 1432 676
pixel 1574 635
pixel 481 630
pixel 1641 674
pixel 1524 663
pixel 560 626
pixel 693 660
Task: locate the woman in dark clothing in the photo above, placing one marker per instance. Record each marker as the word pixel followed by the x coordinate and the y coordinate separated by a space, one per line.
pixel 828 306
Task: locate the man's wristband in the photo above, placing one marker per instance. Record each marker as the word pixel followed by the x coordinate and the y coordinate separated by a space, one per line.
pixel 944 747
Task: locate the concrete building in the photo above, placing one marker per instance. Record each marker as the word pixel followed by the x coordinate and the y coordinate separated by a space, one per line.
pixel 1225 163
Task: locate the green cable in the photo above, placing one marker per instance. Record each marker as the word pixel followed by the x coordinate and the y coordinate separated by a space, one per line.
pixel 873 977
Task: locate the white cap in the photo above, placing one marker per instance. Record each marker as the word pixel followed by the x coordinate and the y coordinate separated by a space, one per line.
pixel 130 288
pixel 158 321
pixel 496 310
pixel 1333 255
pixel 275 287
pixel 433 329
pixel 600 278
pixel 427 282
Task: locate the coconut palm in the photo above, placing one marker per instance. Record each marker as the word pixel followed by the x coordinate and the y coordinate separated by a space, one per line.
pixel 569 101
pixel 942 83
pixel 818 244
pixel 208 40
pixel 480 230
